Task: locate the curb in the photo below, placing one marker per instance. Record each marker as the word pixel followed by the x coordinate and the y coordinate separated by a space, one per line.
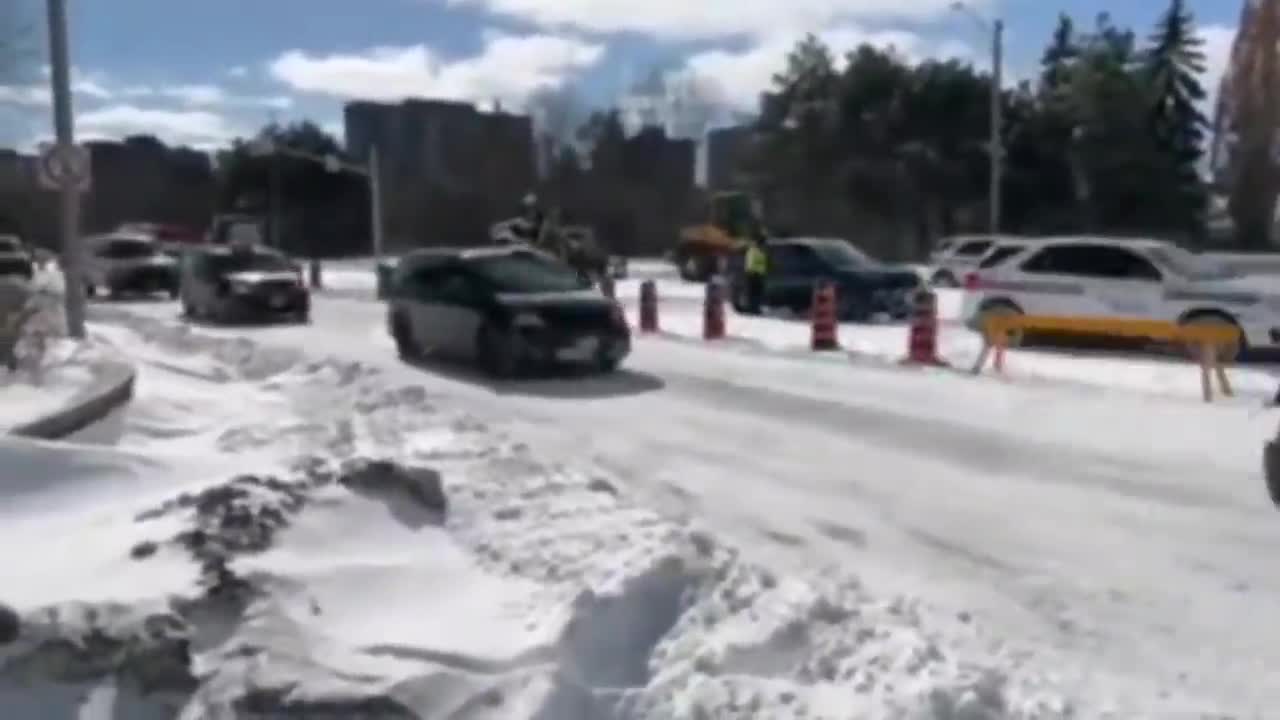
pixel 112 390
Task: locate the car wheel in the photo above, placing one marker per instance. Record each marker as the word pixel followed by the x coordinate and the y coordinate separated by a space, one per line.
pixel 607 362
pixel 851 307
pixel 1271 470
pixel 90 290
pixel 496 352
pixel 403 337
pixel 1001 309
pixel 173 293
pixel 738 298
pixel 1227 354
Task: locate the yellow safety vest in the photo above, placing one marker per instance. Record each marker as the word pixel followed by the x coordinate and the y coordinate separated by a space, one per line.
pixel 757 261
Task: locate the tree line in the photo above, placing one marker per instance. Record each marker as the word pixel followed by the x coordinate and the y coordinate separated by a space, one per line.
pixel 1109 138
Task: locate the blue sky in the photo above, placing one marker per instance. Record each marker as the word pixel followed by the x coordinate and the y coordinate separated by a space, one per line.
pixel 200 72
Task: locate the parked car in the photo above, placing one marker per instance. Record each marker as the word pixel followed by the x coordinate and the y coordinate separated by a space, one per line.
pixel 508 309
pixel 1125 278
pixel 125 263
pixel 957 255
pixel 230 283
pixel 864 286
pixel 15 261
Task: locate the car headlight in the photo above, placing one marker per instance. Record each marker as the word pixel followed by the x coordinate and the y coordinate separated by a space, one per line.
pixel 527 320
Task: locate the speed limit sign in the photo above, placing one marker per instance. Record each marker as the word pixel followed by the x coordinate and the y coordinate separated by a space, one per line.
pixel 59 166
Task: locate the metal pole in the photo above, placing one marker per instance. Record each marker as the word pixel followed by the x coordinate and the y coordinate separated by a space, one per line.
pixel 997 123
pixel 375 204
pixel 69 194
pixel 274 219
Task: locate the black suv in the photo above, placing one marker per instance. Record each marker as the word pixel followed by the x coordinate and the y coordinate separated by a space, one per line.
pixel 242 283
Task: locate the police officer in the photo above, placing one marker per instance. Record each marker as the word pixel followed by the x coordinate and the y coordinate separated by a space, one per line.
pixel 757 269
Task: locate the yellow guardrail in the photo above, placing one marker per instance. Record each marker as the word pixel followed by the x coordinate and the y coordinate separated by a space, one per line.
pixel 1208 339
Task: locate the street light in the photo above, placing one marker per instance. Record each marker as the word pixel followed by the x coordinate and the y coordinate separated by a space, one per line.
pixel 262 147
pixel 995 28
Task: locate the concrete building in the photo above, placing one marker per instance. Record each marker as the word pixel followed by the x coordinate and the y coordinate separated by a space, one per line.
pixel 726 150
pixel 449 169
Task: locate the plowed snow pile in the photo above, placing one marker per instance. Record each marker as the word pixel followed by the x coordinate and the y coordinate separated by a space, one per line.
pixel 319 543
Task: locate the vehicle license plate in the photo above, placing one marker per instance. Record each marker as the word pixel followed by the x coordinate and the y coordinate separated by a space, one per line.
pixel 583 349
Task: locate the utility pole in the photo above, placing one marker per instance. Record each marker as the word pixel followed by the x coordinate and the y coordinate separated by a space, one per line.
pixel 374 171
pixel 997 123
pixel 69 192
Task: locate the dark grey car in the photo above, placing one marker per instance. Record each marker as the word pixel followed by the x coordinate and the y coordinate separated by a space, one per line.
pixel 236 283
pixel 508 309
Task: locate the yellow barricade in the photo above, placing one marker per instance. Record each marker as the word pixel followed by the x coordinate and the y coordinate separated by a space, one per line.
pixel 1207 338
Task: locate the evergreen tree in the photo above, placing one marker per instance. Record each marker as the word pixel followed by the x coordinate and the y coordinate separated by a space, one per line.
pixel 1174 63
pixel 1056 62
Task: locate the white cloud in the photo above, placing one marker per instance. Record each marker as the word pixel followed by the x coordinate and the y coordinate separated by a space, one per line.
pixel 509 68
pixel 99 88
pixel 84 85
pixel 742 76
pixel 196 128
pixel 712 18
pixel 215 96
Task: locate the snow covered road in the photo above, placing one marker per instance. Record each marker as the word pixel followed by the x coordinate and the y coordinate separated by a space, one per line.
pixel 1124 539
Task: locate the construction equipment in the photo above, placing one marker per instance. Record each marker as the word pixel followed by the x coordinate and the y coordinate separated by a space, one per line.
pixel 733 219
pixel 235 229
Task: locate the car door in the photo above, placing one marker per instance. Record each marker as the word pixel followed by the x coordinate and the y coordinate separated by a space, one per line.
pixel 790 279
pixel 460 304
pixel 1056 280
pixel 1128 285
pixel 417 296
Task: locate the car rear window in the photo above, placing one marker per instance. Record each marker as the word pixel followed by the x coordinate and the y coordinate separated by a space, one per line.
pixel 976 247
pixel 248 262
pixel 127 249
pixel 999 255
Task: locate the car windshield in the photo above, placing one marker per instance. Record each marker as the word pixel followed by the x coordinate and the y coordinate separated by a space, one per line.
pixel 526 273
pixel 128 249
pixel 838 253
pixel 249 262
pixel 1189 265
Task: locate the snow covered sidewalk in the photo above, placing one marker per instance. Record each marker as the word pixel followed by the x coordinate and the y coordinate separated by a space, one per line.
pixel 280 534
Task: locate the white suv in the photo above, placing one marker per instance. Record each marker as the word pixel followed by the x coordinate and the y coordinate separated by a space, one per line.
pixel 1123 278
pixel 957 255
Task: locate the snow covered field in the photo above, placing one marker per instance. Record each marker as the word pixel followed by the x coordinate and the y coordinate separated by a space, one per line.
pixel 740 531
pixel 238 516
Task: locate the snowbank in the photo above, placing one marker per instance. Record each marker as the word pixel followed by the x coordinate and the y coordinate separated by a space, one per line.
pixel 68 370
pixel 331 543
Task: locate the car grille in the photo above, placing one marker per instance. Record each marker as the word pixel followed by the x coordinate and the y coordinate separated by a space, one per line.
pixel 151 277
pixel 577 319
pixel 14 266
pixel 271 287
